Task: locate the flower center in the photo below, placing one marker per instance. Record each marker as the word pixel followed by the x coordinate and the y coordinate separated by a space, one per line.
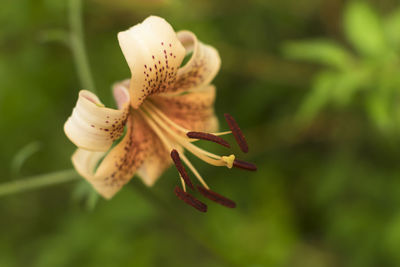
pixel 172 134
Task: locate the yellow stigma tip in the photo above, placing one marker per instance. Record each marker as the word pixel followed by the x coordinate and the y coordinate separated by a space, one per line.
pixel 229 160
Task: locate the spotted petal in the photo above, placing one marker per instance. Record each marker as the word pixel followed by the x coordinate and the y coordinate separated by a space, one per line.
pixel 193 110
pixel 120 164
pixel 158 158
pixel 93 126
pixel 202 67
pixel 154 54
pixel 157 161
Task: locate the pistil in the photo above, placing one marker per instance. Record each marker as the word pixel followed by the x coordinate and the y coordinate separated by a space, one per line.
pixel 195 172
pixel 163 139
pixel 171 133
pixel 202 154
pixel 168 146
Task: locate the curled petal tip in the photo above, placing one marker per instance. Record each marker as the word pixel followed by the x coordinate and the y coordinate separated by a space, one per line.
pixel 154 54
pixel 91 125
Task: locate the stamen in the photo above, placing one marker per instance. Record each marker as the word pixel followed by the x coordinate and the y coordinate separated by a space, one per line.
pixel 244 165
pixel 208 137
pixel 163 139
pixel 151 107
pixel 202 154
pixel 181 169
pixel 216 197
pixel 167 144
pixel 237 133
pixel 190 200
pixel 195 172
pixel 182 183
pixel 222 133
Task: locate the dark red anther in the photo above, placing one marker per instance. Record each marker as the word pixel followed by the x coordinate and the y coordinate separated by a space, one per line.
pixel 237 133
pixel 190 200
pixel 216 197
pixel 244 165
pixel 208 137
pixel 181 169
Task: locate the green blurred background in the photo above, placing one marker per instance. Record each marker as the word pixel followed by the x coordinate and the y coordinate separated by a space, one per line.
pixel 315 86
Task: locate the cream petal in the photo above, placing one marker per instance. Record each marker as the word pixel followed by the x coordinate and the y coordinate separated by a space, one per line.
pixel 121 93
pixel 154 54
pixel 158 158
pixel 85 162
pixel 202 67
pixel 120 164
pixel 193 110
pixel 93 126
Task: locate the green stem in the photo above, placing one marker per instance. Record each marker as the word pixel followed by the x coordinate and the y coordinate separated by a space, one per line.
pixel 37 181
pixel 78 46
pixel 86 80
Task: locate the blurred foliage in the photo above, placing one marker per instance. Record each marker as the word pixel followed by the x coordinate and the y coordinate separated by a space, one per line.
pixel 369 73
pixel 23 155
pixel 327 192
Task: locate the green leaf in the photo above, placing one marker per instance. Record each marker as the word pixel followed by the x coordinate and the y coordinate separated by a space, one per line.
pixel 348 84
pixel 377 107
pixel 335 87
pixel 382 101
pixel 319 51
pixel 392 28
pixel 318 97
pixel 364 29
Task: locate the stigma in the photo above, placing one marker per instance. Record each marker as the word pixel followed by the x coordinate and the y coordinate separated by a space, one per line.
pixel 175 137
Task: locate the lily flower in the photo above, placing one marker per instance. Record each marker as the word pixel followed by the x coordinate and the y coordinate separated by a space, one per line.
pixel 162 110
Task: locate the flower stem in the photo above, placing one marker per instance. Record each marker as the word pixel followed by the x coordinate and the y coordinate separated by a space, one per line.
pixel 78 46
pixel 37 181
